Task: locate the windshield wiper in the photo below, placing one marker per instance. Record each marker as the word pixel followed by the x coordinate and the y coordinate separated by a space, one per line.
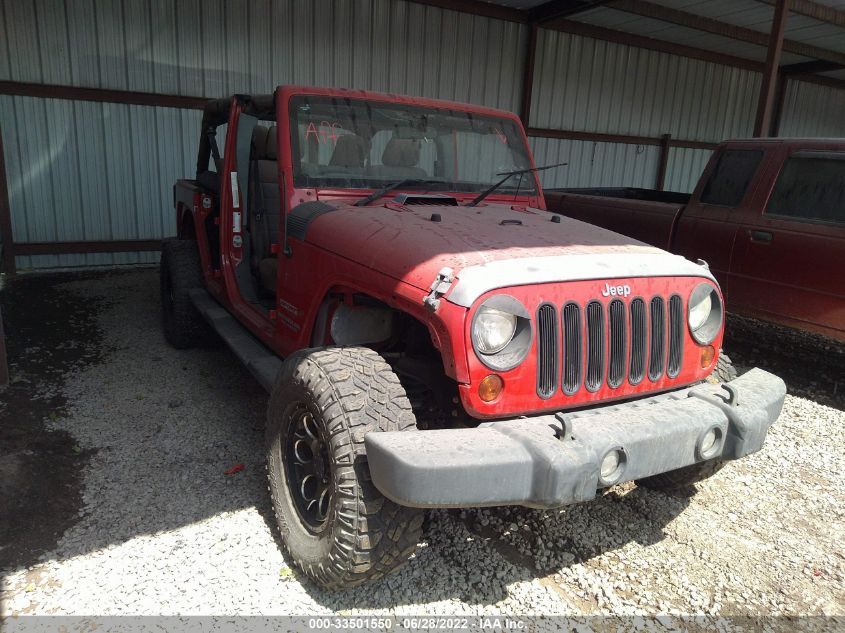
pixel 507 175
pixel 375 195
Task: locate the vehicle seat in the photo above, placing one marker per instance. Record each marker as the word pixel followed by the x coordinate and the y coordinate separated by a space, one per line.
pixel 264 199
pixel 399 160
pixel 350 151
pixel 307 168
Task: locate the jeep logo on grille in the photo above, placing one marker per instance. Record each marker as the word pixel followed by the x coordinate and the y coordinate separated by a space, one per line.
pixel 616 291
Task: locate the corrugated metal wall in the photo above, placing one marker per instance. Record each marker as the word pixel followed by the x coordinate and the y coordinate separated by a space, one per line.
pixel 93 171
pixel 98 171
pixel 593 164
pixel 813 110
pixel 590 85
pixel 218 47
pixel 685 167
pixel 86 171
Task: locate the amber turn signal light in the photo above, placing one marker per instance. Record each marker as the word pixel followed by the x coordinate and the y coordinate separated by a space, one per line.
pixel 490 387
pixel 708 353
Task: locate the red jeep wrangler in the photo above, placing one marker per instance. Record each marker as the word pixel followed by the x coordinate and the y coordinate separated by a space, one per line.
pixel 446 341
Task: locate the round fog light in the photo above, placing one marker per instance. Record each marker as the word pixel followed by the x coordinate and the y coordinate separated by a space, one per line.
pixel 612 465
pixel 710 442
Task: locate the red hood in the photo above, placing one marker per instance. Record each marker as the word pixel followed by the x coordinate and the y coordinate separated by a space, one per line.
pixel 406 244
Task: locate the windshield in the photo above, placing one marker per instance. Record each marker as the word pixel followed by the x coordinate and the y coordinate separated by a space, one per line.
pixel 351 143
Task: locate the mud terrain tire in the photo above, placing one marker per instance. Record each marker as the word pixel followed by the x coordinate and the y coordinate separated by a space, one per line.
pixel 179 272
pixel 725 370
pixel 323 403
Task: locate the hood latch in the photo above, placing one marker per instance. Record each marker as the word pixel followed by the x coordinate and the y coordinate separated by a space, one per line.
pixel 439 287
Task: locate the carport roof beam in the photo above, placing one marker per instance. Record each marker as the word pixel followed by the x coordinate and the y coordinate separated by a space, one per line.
pixel 724 29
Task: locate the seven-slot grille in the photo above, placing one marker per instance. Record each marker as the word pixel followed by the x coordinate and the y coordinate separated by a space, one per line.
pixel 607 344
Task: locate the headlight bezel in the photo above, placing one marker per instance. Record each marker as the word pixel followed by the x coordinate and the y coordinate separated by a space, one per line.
pixel 711 326
pixel 516 350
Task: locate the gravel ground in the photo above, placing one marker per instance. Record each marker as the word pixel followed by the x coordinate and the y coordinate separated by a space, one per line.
pixel 162 530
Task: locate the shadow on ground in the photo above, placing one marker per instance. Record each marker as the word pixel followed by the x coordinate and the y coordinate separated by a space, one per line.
pixel 812 366
pixel 49 331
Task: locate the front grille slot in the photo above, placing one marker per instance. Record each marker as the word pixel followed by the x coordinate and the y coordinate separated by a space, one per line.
pixel 639 341
pixel 547 351
pixel 572 348
pixel 657 351
pixel 595 346
pixel 618 318
pixel 676 335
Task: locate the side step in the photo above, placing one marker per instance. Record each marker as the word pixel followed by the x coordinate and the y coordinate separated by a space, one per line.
pixel 260 361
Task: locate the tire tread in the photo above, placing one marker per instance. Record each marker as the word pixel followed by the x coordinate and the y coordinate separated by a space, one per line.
pixel 357 392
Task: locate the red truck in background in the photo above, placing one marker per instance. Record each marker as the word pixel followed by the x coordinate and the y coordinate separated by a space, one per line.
pixel 768 217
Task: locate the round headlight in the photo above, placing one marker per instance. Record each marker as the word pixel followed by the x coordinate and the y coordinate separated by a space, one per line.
pixel 705 313
pixel 492 330
pixel 501 332
pixel 699 312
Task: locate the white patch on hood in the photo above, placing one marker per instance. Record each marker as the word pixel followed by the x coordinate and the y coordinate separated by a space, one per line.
pixel 474 281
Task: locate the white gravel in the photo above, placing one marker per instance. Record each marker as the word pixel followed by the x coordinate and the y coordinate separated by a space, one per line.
pixel 164 531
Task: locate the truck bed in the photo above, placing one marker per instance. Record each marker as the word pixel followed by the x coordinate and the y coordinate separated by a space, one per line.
pixel 628 193
pixel 643 214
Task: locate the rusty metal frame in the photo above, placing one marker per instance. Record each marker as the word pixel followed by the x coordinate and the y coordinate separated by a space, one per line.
pixel 663 162
pixel 626 139
pixel 74 248
pixel 528 74
pixel 100 95
pixel 647 9
pixel 561 9
pixel 810 9
pixel 768 89
pixel 8 260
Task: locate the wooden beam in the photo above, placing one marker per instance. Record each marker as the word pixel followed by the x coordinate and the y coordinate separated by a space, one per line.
pixel 766 102
pixel 100 95
pixel 814 10
pixel 780 97
pixel 528 74
pixel 650 43
pixel 476 7
pixel 8 243
pixel 68 248
pixel 724 29
pixel 663 162
pixel 561 9
pixel 627 139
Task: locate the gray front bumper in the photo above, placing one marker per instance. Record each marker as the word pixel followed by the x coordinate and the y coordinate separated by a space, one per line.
pixel 551 460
